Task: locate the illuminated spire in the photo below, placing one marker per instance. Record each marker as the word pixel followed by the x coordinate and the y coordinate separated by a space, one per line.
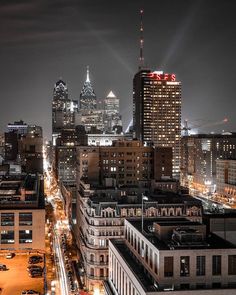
pixel 87 78
pixel 87 95
pixel 141 57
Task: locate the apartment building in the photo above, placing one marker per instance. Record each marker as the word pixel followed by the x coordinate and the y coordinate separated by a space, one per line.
pixel 126 162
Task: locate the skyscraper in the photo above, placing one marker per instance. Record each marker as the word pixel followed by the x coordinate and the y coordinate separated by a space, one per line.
pixel 157 111
pixel 112 117
pixel 88 99
pixel 63 109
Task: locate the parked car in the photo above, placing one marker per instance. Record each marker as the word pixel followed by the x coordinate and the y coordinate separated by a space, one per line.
pixel 35 274
pixel 35 259
pixel 34 267
pixel 3 267
pixel 30 292
pixel 10 255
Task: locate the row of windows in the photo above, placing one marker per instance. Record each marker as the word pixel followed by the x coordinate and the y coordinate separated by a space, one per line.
pixel 200 265
pixel 8 219
pixel 8 236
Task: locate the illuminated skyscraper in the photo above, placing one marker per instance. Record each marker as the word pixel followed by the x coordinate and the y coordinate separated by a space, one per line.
pixel 88 99
pixel 63 110
pixel 112 117
pixel 157 111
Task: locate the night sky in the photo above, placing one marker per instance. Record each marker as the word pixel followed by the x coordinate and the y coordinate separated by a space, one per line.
pixel 41 41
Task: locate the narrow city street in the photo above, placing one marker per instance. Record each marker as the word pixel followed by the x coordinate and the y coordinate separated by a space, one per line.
pixel 59 242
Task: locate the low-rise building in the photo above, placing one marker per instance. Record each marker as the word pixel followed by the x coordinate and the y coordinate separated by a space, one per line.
pixel 101 212
pixel 165 257
pixel 22 213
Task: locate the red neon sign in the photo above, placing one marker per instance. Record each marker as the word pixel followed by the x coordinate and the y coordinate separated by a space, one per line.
pixel 166 77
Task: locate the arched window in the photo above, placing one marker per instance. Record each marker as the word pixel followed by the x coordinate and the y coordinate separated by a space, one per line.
pixel 92 257
pixel 101 258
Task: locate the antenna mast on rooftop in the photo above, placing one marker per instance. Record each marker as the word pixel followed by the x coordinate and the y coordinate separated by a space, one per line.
pixel 141 57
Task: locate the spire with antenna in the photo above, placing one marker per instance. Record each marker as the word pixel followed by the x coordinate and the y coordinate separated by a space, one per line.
pixel 141 57
pixel 87 77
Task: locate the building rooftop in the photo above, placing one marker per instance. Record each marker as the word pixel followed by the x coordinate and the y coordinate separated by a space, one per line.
pixel 21 191
pixel 182 226
pixel 212 135
pixel 135 196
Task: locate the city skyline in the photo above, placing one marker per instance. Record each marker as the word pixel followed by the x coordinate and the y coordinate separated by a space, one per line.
pixel 41 42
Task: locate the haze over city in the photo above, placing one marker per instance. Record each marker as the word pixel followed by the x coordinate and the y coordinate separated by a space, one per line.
pixel 41 41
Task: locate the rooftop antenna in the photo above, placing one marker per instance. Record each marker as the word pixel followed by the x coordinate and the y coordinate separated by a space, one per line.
pixel 141 57
pixel 87 77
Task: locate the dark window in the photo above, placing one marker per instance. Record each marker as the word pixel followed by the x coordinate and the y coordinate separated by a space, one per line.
pixel 7 237
pixel 184 286
pixel 184 266
pixel 200 286
pixel 201 265
pixel 7 219
pixel 216 285
pixel 168 266
pixel 32 148
pixel 232 264
pixel 25 236
pixel 216 265
pixel 25 219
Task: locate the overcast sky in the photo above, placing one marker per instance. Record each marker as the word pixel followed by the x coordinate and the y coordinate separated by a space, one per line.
pixel 41 41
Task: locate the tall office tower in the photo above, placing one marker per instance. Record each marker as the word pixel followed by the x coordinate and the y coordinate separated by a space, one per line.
pixel 90 113
pixel 112 117
pixel 111 104
pixel 88 99
pixel 63 110
pixel 157 111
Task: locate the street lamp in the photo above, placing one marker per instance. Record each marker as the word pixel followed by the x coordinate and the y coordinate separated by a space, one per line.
pixel 145 198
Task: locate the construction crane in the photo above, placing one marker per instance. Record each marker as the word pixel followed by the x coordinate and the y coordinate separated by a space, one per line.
pixel 202 124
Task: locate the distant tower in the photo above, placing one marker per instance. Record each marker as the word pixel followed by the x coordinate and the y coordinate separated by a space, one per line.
pixel 88 99
pixel 112 104
pixel 60 90
pixel 63 110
